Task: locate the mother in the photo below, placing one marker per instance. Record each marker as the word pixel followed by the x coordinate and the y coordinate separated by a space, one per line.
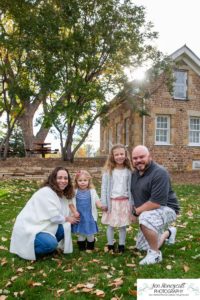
pixel 45 220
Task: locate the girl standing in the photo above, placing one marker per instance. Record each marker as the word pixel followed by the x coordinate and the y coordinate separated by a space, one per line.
pixel 87 202
pixel 116 196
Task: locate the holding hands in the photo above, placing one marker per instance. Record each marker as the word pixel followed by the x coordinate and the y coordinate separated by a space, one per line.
pixel 104 208
pixel 72 219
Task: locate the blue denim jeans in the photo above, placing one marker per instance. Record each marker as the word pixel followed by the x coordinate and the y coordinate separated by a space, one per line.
pixel 46 243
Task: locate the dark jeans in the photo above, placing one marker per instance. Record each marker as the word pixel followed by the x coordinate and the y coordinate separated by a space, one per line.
pixel 46 243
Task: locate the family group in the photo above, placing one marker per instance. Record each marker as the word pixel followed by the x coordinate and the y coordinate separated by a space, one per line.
pixel 132 191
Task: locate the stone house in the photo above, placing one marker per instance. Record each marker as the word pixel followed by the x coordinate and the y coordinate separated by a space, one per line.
pixel 171 130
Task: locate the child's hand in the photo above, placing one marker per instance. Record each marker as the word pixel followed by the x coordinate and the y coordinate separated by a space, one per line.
pixel 104 208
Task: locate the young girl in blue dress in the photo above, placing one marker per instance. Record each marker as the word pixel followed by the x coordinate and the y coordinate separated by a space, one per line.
pixel 86 201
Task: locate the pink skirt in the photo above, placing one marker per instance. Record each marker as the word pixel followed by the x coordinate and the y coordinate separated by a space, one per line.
pixel 120 214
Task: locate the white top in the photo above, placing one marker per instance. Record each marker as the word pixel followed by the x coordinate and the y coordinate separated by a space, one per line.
pixel 36 217
pixel 120 183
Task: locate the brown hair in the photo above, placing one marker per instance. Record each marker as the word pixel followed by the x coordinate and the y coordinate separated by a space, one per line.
pixel 51 181
pixel 87 175
pixel 110 162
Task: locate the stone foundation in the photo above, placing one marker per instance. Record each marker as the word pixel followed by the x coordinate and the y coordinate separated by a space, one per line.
pixel 40 168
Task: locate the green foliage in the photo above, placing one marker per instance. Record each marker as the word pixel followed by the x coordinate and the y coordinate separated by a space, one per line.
pixel 67 56
pixel 57 276
pixel 16 143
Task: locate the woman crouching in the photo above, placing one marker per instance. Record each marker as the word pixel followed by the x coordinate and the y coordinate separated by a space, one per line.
pixel 45 222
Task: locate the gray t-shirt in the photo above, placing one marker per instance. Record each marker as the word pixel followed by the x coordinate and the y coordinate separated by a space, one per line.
pixel 154 185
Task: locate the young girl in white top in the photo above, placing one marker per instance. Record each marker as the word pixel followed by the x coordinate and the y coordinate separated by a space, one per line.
pixel 87 202
pixel 116 196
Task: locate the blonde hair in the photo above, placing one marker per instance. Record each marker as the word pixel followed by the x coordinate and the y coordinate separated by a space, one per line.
pixel 87 175
pixel 110 162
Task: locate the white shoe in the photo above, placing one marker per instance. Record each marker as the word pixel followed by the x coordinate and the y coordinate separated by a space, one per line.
pixel 172 238
pixel 152 257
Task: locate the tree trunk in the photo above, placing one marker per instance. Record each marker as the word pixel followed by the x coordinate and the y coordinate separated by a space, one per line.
pixel 26 124
pixel 67 150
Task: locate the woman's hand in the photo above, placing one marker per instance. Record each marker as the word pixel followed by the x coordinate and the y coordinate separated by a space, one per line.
pixel 76 214
pixel 72 219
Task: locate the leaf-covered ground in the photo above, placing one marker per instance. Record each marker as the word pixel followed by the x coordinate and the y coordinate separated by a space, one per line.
pixel 97 274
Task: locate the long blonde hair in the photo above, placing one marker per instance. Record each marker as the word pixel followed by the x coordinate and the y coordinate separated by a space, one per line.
pixel 110 162
pixel 87 175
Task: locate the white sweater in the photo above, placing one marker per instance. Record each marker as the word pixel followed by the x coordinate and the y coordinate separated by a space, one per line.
pixel 35 217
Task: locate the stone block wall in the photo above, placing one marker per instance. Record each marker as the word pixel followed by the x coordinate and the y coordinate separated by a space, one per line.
pixel 39 169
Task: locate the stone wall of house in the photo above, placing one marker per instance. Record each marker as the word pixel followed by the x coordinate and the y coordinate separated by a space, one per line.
pixel 117 117
pixel 178 155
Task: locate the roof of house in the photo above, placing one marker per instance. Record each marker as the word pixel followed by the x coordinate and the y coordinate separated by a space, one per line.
pixel 183 54
pixel 188 56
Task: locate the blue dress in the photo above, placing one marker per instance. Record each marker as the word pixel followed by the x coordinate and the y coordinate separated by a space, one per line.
pixel 87 224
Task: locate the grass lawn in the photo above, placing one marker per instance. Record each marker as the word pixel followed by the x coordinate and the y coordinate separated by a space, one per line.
pixel 98 274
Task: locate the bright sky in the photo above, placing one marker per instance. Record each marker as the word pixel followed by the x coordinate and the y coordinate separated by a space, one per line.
pixel 177 22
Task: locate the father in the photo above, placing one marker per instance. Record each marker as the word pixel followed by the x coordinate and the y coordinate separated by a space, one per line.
pixel 155 205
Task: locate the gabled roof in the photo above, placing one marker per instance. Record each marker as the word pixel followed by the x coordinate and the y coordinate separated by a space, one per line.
pixel 188 56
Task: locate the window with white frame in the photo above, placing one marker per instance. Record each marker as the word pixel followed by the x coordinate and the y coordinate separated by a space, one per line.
pixel 162 134
pixel 194 131
pixel 126 131
pixel 180 84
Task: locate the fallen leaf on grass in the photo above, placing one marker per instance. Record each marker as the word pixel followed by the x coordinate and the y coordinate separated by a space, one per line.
pixel 104 267
pixel 20 270
pixel 131 265
pixel 4 239
pixel 99 293
pixel 86 290
pixel 3 297
pixel 9 283
pixel 4 261
pixel 68 270
pixel 17 294
pixel 30 268
pixel 13 278
pixel 132 292
pixel 189 213
pixel 89 285
pixel 116 282
pixel 117 297
pixel 168 267
pixel 3 248
pixel 60 292
pixel 96 260
pixel 183 248
pixel 80 285
pixel 186 268
pixel 196 256
pixel 33 283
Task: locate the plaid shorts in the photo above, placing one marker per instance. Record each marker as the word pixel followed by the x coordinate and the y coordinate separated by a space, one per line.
pixel 157 220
